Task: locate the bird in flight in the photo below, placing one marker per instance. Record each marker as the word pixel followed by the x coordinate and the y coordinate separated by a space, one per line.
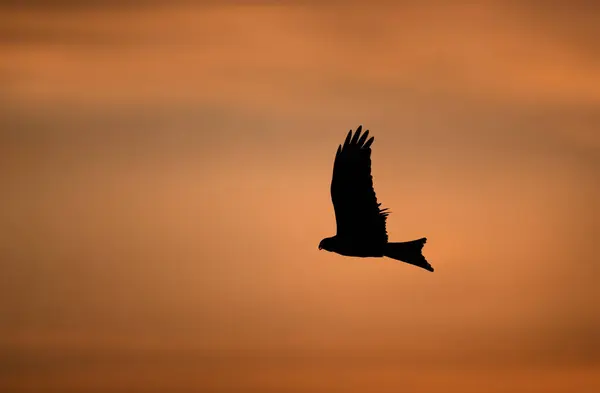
pixel 361 223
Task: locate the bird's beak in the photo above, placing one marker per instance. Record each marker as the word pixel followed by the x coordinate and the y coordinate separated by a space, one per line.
pixel 320 247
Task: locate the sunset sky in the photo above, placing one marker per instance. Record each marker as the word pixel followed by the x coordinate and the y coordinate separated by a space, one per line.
pixel 165 172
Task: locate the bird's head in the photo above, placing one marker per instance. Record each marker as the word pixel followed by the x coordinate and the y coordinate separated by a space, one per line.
pixel 327 244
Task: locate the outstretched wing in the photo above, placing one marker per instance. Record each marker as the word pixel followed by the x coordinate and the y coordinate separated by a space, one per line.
pixel 357 212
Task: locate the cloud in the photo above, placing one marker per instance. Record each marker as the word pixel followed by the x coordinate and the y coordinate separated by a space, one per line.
pixel 159 164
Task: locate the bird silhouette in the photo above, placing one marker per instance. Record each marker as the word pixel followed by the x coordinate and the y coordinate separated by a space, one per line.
pixel 361 223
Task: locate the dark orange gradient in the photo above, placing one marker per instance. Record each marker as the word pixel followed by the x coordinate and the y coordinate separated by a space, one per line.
pixel 164 177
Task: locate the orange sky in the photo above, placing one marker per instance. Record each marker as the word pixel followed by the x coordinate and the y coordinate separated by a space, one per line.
pixel 165 179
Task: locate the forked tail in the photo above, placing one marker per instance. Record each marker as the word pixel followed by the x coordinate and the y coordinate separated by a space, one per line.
pixel 409 252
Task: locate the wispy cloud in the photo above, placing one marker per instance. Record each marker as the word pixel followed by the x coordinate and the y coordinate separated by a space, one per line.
pixel 160 162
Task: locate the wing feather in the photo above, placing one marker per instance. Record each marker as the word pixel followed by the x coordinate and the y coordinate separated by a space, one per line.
pixel 358 214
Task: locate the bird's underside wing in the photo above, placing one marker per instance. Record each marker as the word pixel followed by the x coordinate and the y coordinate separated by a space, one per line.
pixel 358 215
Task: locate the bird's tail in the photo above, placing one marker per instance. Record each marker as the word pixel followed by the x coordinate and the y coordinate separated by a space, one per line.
pixel 409 252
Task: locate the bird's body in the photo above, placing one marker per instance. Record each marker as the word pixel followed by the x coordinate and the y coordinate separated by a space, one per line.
pixel 354 247
pixel 361 223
